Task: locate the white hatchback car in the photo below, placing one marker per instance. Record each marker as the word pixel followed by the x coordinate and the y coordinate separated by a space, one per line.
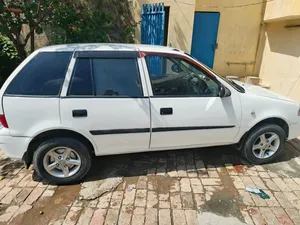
pixel 66 103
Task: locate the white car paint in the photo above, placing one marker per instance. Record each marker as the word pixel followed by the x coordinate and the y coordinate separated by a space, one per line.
pixel 194 112
pixel 259 104
pixel 27 117
pixel 110 114
pixel 257 90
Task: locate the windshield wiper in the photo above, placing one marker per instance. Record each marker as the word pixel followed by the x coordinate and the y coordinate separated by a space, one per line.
pixel 236 85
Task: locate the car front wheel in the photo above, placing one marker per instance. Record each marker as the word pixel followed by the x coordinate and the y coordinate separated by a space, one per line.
pixel 264 143
pixel 62 160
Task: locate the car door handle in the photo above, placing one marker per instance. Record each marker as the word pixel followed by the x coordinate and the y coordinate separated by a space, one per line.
pixel 79 113
pixel 166 111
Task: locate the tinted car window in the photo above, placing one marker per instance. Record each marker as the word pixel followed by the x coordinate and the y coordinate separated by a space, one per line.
pixel 42 76
pixel 116 77
pixel 172 76
pixel 81 83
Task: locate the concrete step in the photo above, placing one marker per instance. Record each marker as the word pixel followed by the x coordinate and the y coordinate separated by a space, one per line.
pixel 266 86
pixel 243 79
pixel 252 80
pixel 233 77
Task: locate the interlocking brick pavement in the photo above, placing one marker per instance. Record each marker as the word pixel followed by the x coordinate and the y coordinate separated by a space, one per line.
pixel 170 187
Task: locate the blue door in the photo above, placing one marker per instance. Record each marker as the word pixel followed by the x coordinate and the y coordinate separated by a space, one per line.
pixel 205 34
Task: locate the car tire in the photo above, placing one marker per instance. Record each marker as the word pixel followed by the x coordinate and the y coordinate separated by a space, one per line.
pixel 251 152
pixel 78 153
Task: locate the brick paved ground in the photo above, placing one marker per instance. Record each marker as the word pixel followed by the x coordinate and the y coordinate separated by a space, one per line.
pixel 175 187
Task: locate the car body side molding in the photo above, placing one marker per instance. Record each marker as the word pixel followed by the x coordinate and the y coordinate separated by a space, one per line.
pixel 157 129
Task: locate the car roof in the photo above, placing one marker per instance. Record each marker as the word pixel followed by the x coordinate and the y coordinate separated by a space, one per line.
pixel 106 47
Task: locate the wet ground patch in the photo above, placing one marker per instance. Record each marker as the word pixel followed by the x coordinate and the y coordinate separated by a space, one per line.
pixel 50 208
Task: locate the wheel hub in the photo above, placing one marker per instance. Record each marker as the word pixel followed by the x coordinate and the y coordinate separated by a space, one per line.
pixel 62 162
pixel 266 145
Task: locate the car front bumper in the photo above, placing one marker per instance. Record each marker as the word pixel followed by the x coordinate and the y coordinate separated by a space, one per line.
pixel 13 147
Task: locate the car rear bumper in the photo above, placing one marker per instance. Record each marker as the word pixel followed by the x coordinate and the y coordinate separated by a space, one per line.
pixel 13 147
pixel 294 131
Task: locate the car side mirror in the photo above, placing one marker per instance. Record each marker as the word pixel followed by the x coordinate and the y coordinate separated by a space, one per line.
pixel 224 91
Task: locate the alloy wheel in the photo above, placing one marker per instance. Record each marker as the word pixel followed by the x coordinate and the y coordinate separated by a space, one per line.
pixel 266 145
pixel 62 162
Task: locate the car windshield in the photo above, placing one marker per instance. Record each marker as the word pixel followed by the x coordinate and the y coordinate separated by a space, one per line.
pixel 237 87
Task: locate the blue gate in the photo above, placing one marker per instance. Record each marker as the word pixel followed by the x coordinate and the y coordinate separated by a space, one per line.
pixel 153 23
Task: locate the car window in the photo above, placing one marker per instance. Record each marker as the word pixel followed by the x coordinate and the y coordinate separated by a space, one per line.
pixel 81 82
pixel 42 76
pixel 171 76
pixel 237 87
pixel 116 77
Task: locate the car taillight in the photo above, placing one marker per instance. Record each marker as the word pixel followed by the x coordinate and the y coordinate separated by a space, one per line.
pixel 3 121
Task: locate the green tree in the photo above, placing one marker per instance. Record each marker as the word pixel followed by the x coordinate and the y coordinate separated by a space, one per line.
pixel 79 25
pixel 8 58
pixel 122 20
pixel 64 21
pixel 36 14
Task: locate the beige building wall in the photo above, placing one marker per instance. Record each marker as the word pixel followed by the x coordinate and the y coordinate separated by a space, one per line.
pixel 181 21
pixel 238 35
pixel 281 58
pixel 281 54
pixel 282 10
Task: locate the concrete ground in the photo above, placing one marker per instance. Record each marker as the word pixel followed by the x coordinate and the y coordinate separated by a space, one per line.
pixel 201 186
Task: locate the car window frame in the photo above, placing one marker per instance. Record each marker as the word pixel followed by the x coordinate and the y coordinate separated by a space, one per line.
pixel 228 81
pixel 72 76
pixel 144 54
pixel 28 62
pixel 105 55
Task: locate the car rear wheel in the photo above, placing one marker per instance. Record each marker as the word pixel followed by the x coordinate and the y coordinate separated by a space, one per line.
pixel 264 144
pixel 62 160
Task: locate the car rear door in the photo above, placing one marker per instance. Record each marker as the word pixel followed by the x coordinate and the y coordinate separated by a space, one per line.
pixel 107 100
pixel 186 110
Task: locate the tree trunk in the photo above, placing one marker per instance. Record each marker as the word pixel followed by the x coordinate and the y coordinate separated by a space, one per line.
pixel 31 41
pixel 21 52
pixel 19 46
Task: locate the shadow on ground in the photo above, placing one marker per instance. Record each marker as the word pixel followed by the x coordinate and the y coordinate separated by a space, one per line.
pixel 138 164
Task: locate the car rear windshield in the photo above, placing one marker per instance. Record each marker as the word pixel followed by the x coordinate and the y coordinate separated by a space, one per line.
pixel 42 76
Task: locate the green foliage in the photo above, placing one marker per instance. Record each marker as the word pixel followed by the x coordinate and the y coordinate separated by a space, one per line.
pixel 34 13
pixel 122 22
pixel 73 25
pixel 7 50
pixel 64 22
pixel 128 33
pixel 8 58
pixel 37 13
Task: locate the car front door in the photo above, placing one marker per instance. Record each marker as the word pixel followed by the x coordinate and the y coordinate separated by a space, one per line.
pixel 105 100
pixel 186 109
